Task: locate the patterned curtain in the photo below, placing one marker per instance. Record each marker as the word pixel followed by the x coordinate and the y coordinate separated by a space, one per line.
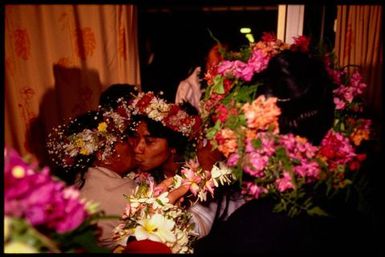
pixel 58 59
pixel 359 42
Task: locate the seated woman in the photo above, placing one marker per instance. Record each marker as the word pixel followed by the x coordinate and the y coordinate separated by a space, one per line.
pixel 304 92
pixel 95 155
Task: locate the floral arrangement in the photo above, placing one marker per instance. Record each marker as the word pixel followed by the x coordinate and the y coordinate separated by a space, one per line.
pixel 246 130
pixel 71 150
pixel 170 115
pixel 149 215
pixel 41 214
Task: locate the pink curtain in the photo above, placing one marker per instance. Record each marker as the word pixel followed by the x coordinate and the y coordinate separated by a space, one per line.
pixel 58 59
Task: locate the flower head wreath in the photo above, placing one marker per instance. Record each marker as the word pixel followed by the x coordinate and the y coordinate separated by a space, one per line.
pixel 72 150
pixel 170 115
pixel 246 129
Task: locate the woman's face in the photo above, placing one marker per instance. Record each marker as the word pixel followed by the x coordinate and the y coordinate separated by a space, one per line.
pixel 150 152
pixel 122 159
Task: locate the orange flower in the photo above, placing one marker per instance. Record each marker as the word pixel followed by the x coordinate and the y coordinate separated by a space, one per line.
pixel 262 113
pixel 227 140
pixel 358 135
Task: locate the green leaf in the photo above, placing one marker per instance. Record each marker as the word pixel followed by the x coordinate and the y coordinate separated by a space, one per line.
pixel 317 211
pixel 218 85
pixel 257 143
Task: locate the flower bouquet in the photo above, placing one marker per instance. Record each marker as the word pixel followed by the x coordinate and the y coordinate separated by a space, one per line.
pixel 149 216
pixel 245 129
pixel 42 214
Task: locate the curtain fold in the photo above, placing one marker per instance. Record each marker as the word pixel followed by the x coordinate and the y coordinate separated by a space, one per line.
pixel 58 59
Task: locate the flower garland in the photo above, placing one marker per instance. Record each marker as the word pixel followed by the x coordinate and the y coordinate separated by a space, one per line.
pixel 170 115
pixel 246 130
pixel 200 181
pixel 71 150
pixel 41 214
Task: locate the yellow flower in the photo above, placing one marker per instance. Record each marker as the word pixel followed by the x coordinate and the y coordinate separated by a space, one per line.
pixel 18 171
pixel 7 227
pixel 84 151
pixel 19 247
pixel 79 142
pixel 102 127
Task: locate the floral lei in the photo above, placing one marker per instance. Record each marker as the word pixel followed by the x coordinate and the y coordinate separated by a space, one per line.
pixel 246 130
pixel 71 150
pixel 170 115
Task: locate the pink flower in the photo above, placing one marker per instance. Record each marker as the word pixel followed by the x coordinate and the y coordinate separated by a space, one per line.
pixel 255 164
pixel 258 60
pixel 339 103
pixel 253 190
pixel 233 159
pixel 42 200
pixel 284 183
pixel 308 169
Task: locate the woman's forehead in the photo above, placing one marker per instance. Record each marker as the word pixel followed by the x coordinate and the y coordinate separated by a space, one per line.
pixel 142 129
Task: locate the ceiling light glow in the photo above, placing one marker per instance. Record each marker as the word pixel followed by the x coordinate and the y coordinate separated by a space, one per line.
pixel 245 30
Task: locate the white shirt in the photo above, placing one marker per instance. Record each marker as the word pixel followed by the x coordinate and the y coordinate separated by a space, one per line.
pixel 107 188
pixel 190 89
pixel 203 216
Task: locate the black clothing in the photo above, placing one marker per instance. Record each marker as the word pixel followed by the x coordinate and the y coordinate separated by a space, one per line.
pixel 255 228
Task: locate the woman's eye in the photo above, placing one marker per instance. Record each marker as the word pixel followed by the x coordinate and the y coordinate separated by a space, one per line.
pixel 149 141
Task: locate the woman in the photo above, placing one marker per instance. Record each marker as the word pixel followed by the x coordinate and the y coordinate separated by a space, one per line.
pixel 304 92
pixel 161 147
pixel 94 152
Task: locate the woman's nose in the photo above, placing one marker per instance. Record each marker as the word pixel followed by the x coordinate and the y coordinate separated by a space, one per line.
pixel 139 148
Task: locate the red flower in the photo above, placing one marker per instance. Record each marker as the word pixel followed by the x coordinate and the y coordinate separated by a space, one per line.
pixel 355 164
pixel 301 43
pixel 146 246
pixel 144 101
pixel 268 37
pixel 122 111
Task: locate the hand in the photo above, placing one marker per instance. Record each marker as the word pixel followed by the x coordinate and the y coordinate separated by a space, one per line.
pixel 174 195
pixel 178 193
pixel 206 156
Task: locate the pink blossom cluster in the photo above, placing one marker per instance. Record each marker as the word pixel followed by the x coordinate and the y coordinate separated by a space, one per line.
pixel 36 196
pixel 245 71
pixel 199 181
pixel 257 160
pixel 345 93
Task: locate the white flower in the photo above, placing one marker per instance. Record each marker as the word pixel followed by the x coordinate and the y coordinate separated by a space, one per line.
pixel 221 174
pixel 157 228
pixel 160 201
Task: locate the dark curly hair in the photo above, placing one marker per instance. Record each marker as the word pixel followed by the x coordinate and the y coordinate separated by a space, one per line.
pixel 304 91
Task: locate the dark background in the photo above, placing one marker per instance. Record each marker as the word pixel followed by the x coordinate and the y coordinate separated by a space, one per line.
pixel 178 36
